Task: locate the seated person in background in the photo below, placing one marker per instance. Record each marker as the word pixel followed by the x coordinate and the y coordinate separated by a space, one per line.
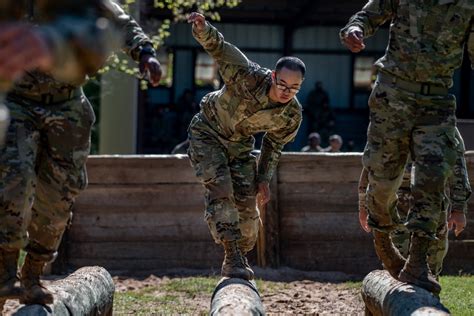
pixel 313 143
pixel 335 144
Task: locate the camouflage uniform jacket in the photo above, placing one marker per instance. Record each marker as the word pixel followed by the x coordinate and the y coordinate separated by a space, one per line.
pixel 37 82
pixel 242 108
pixel 427 38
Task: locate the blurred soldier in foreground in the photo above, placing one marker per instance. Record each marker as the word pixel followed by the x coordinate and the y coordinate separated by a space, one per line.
pixel 48 139
pixel 253 100
pixel 453 214
pixel 412 113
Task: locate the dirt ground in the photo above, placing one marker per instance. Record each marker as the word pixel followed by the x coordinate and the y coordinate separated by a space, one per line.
pixel 288 292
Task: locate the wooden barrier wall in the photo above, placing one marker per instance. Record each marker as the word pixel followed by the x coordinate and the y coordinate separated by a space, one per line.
pixel 145 213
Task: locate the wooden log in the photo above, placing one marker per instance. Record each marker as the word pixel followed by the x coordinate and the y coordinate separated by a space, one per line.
pixel 236 297
pixel 383 295
pixel 88 291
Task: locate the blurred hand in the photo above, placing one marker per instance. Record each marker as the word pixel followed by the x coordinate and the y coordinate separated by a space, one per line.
pixel 22 48
pixel 354 39
pixel 198 20
pixel 150 69
pixel 363 214
pixel 263 194
pixel 457 220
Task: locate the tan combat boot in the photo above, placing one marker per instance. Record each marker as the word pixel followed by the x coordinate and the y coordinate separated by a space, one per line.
pixel 34 291
pixel 235 264
pixel 8 277
pixel 391 258
pixel 416 270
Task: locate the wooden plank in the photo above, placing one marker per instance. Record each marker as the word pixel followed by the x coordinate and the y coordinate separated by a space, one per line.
pixel 320 167
pixel 148 266
pixel 272 226
pixel 98 199
pixel 295 197
pixel 139 226
pixel 327 226
pixel 182 251
pixel 137 169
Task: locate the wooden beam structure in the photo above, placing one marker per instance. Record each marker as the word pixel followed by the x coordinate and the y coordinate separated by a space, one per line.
pixel 383 295
pixel 236 297
pixel 88 291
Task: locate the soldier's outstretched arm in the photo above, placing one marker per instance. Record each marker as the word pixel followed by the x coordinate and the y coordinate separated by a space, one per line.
pixel 233 64
pixel 459 189
pixel 80 36
pixel 366 22
pixel 136 43
pixel 272 145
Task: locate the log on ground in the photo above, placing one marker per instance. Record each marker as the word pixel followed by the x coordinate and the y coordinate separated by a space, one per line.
pixel 88 291
pixel 383 295
pixel 234 296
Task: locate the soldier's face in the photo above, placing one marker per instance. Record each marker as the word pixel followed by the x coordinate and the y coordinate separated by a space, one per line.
pixel 286 83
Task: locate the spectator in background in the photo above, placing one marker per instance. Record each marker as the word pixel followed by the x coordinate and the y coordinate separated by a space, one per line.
pixel 186 108
pixel 335 144
pixel 318 112
pixel 313 143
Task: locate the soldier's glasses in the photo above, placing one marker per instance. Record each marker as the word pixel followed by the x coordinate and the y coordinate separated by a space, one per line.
pixel 282 87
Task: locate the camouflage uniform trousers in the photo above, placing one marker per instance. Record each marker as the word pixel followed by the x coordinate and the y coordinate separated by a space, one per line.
pixel 401 236
pixel 43 170
pixel 403 123
pixel 227 171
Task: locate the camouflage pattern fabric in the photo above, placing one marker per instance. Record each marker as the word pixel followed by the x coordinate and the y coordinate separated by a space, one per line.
pixel 43 162
pixel 426 38
pixel 457 189
pixel 221 140
pixel 426 46
pixel 43 170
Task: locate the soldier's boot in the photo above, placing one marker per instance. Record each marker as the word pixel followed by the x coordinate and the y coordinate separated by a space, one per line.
pixel 416 270
pixel 234 265
pixel 391 258
pixel 34 290
pixel 8 275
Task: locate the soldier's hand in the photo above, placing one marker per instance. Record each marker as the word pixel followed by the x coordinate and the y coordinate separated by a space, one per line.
pixel 263 195
pixel 457 220
pixel 363 214
pixel 198 20
pixel 22 48
pixel 354 39
pixel 150 69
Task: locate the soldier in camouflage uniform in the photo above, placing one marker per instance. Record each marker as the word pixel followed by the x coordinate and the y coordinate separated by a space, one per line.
pixel 411 113
pixel 48 139
pixel 253 99
pixel 458 189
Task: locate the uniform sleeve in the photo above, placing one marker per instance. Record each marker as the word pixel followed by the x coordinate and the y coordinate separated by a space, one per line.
pixel 272 145
pixel 470 43
pixel 133 34
pixel 459 187
pixel 81 38
pixel 233 64
pixel 371 17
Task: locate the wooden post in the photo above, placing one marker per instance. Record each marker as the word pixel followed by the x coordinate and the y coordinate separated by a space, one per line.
pixel 236 297
pixel 383 295
pixel 88 291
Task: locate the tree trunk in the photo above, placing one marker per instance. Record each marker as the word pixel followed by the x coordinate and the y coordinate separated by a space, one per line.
pixel 88 291
pixel 383 295
pixel 234 296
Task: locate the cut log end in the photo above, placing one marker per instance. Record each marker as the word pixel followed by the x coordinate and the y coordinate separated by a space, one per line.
pixel 88 291
pixel 234 296
pixel 383 295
